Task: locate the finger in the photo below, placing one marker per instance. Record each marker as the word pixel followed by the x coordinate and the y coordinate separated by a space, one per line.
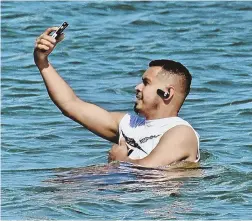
pixel 114 146
pixel 46 43
pixel 42 47
pixel 47 38
pixel 122 142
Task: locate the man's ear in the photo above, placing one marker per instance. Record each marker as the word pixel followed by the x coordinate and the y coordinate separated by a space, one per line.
pixel 169 92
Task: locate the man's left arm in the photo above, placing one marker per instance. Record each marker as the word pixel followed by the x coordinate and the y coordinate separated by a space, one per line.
pixel 177 144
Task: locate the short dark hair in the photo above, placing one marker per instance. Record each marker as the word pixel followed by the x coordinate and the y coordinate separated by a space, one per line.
pixel 176 68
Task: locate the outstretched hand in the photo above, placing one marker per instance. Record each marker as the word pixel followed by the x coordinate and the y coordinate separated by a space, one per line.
pixel 45 44
pixel 118 152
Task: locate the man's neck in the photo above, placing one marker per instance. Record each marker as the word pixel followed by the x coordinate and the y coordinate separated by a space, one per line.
pixel 162 114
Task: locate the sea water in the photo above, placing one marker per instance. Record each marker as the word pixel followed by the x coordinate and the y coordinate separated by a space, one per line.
pixel 53 168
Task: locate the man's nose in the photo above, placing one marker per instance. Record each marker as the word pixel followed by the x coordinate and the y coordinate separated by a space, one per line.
pixel 139 87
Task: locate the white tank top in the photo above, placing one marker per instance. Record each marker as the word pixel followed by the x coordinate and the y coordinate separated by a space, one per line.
pixel 142 135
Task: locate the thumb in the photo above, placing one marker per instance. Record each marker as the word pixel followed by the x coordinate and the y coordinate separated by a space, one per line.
pixel 122 142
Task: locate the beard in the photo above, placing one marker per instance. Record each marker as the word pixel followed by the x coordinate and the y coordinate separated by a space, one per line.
pixel 135 109
pixel 139 97
pixel 146 108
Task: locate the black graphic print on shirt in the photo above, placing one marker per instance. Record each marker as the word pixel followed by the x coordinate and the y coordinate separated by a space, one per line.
pixel 148 138
pixel 134 144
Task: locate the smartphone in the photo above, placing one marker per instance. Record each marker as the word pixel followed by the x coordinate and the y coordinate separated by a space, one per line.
pixel 57 33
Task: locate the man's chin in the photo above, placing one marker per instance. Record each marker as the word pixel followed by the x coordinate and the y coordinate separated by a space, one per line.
pixel 137 109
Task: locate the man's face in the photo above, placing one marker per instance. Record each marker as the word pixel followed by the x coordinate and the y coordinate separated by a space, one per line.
pixel 147 100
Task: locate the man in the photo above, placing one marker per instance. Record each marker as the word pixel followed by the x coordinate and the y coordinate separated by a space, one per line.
pixel 158 139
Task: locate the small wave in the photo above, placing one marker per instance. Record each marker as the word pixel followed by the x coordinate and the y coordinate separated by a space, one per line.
pixel 165 12
pixel 220 82
pixel 181 30
pixel 239 102
pixel 74 62
pixel 215 67
pixel 60 169
pixel 245 113
pixel 20 81
pixel 16 108
pixel 145 23
pixel 124 7
pixel 202 89
pixel 15 15
pixel 238 43
pixel 40 189
pixel 245 8
pixel 23 95
pixel 121 173
pixel 24 150
pixel 26 89
pixel 48 137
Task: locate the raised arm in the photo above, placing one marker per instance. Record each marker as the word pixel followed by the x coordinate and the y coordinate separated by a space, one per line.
pixel 97 120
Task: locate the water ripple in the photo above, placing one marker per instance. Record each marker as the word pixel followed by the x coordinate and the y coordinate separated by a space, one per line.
pixel 46 158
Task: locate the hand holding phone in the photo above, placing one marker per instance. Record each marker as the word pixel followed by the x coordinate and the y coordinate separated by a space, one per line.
pixel 60 30
pixel 44 45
